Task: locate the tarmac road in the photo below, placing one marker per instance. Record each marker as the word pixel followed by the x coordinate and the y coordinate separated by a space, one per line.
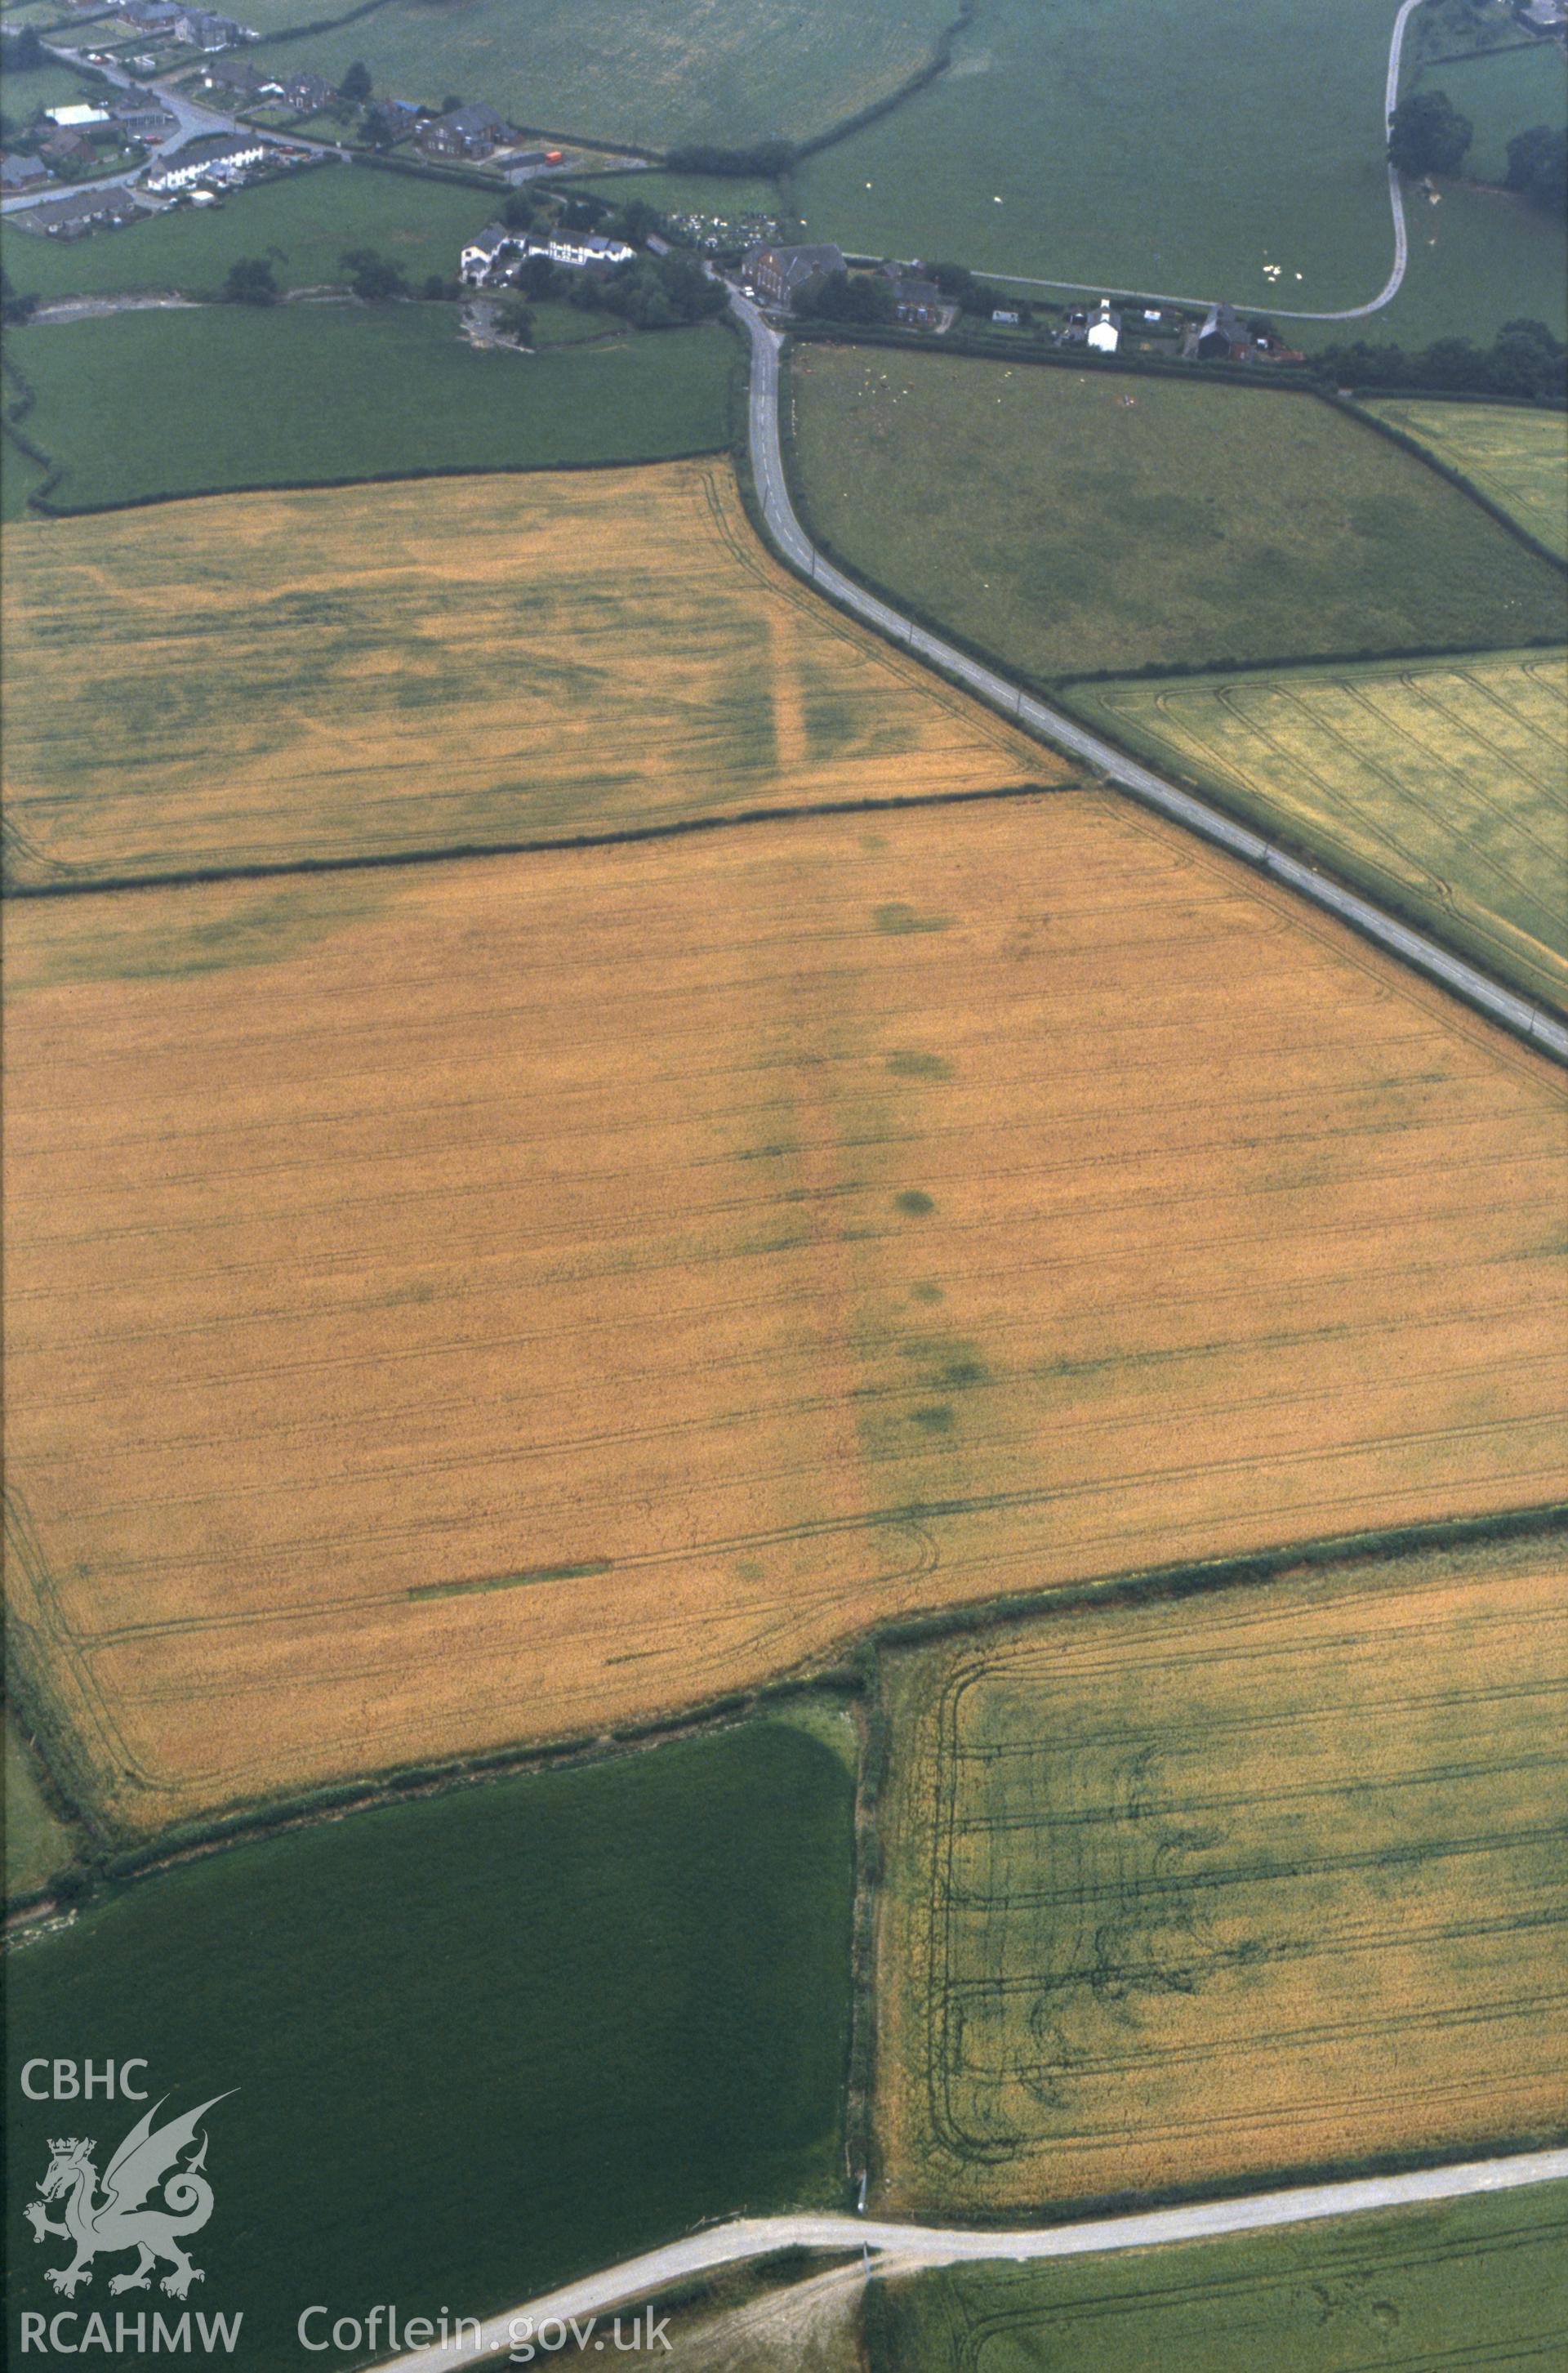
pixel 1425 955
pixel 890 2246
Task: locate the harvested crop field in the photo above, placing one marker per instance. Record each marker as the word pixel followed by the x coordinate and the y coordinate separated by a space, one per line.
pixel 1231 1885
pixel 1438 785
pixel 1517 455
pixel 274 677
pixel 1071 523
pixel 503 1300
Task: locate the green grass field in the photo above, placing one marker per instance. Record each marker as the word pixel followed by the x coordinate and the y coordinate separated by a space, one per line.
pixel 1068 522
pixel 38 1842
pixel 1516 456
pixel 313 392
pixel 1470 2283
pixel 484 2041
pixel 1163 150
pixel 1503 93
pixel 301 226
pixel 1478 258
pixel 638 77
pixel 49 85
pixel 1435 785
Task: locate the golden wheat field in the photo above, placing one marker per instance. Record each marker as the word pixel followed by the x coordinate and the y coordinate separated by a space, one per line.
pixel 255 678
pixel 505 1299
pixel 1438 784
pixel 1517 455
pixel 1266 1877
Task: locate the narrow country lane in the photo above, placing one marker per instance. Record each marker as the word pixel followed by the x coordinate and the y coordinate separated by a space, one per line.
pixel 1423 954
pixel 888 2245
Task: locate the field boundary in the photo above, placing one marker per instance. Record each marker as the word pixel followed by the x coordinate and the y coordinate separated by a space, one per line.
pixel 849 1672
pixel 680 827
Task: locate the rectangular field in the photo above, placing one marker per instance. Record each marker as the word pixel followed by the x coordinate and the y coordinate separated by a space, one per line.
pixel 301 224
pixel 506 1299
pixel 1479 2282
pixel 1518 456
pixel 1233 1886
pixel 1075 523
pixel 1438 785
pixel 729 72
pixel 316 395
pixel 274 677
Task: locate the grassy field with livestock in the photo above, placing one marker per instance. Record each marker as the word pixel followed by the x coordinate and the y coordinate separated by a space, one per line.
pixel 316 393
pixel 1436 785
pixel 636 78
pixel 479 2042
pixel 440 664
pixel 1471 2281
pixel 1070 523
pixel 1064 143
pixel 1516 456
pixel 521 1297
pixel 1230 1887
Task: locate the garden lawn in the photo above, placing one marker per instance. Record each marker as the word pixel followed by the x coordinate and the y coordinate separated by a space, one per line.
pixel 300 226
pixel 1074 522
pixel 480 2042
pixel 317 393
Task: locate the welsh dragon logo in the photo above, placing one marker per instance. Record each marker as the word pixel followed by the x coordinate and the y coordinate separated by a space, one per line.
pixel 132 2213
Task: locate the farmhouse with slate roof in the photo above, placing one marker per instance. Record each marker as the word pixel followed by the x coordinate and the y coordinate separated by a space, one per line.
pixel 777 272
pixel 466 131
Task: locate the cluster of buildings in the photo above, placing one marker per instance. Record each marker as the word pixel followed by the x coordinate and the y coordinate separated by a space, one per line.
pixel 496 257
pixel 73 145
pixel 192 29
pixel 236 83
pixel 778 273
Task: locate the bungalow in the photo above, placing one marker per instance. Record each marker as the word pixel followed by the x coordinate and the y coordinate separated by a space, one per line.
pixel 217 157
pixel 917 301
pixel 68 148
pixel 151 16
pixel 142 115
pixel 776 273
pixel 466 131
pixel 19 173
pixel 305 93
pixel 235 80
pixel 84 210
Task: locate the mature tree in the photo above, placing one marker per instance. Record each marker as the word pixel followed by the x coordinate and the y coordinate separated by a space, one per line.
pixel 372 276
pixel 379 128
pixel 538 278
pixel 862 297
pixel 20 50
pixel 637 219
pixel 1428 135
pixel 514 321
pixel 518 211
pixel 355 84
pixel 14 307
pixel 1538 167
pixel 584 214
pixel 450 104
pixel 250 281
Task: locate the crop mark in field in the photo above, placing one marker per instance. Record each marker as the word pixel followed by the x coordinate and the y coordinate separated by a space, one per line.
pixel 585 1571
pixel 1267 1877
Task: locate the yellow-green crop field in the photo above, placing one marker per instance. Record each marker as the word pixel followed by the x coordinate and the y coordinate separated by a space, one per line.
pixel 1518 456
pixel 1225 1885
pixel 260 679
pixel 1438 785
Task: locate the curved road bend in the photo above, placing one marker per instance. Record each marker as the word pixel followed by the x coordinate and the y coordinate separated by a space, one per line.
pixel 909 2246
pixel 1515 1012
pixel 1390 287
